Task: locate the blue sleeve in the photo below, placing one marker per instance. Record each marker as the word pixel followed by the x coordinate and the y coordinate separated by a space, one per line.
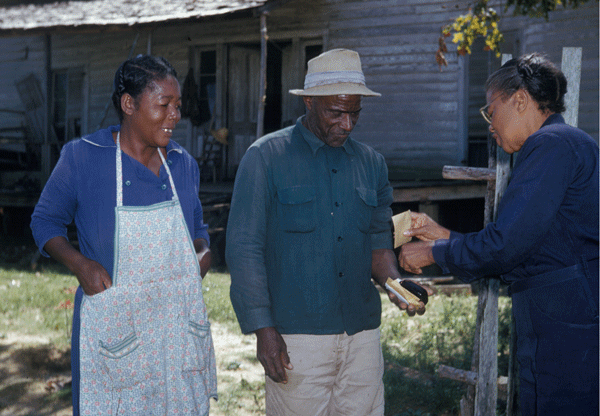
pixel 381 223
pixel 58 201
pixel 526 213
pixel 246 241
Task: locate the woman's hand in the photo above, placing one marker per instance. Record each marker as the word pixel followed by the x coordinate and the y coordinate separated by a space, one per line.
pixel 414 256
pixel 203 254
pixel 426 229
pixel 92 276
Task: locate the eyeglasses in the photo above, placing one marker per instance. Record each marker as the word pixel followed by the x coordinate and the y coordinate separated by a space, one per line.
pixel 483 111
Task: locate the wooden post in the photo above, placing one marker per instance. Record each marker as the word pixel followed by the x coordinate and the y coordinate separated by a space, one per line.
pixel 486 392
pixel 46 153
pixel 260 120
pixel 571 67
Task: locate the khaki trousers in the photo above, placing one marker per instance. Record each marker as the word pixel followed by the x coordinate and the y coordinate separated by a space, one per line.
pixel 333 375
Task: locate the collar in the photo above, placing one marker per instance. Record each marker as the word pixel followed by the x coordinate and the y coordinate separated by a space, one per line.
pixel 315 143
pixel 104 138
pixel 555 118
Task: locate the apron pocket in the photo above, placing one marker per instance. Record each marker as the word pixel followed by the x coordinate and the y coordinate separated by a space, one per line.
pixel 120 348
pixel 121 352
pixel 123 361
pixel 200 347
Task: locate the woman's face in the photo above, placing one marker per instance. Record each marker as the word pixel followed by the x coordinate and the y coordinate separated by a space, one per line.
pixel 157 112
pixel 507 124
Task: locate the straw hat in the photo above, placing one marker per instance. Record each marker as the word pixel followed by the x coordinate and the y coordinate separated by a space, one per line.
pixel 335 72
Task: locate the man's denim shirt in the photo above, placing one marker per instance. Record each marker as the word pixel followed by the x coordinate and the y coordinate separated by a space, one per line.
pixel 304 219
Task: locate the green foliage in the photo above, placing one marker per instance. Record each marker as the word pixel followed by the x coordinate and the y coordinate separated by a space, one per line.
pixel 540 8
pixel 444 335
pixel 247 396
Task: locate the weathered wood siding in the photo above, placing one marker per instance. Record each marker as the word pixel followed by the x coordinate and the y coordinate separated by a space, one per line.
pixel 572 28
pixel 19 57
pixel 419 121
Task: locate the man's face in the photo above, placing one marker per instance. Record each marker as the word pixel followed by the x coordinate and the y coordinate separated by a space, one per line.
pixel 331 118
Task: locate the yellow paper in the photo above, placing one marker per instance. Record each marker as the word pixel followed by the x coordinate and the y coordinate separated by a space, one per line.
pixel 402 223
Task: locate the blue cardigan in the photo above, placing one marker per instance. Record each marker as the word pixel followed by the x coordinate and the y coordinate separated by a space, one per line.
pixel 82 188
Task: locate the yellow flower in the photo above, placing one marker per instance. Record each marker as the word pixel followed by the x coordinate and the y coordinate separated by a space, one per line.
pixel 458 37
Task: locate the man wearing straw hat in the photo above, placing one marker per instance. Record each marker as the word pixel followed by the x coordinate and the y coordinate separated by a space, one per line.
pixel 309 226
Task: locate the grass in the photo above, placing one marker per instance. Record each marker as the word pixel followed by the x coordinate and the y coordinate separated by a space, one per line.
pixel 37 303
pixel 444 335
pixel 34 303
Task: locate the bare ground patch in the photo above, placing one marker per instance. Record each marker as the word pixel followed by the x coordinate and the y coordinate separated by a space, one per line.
pixel 35 376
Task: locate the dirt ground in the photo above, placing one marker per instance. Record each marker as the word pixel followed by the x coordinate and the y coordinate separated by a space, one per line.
pixel 33 374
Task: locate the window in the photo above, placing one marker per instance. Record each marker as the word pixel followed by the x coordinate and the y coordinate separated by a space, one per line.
pixel 67 104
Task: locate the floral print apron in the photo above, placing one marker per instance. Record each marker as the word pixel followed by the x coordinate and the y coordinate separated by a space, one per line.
pixel 146 346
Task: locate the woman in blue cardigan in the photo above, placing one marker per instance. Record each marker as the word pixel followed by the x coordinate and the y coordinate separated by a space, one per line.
pixel 544 243
pixel 141 339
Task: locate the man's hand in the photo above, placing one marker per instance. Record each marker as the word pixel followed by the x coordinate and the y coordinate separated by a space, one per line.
pixel 426 229
pixel 414 256
pixel 411 310
pixel 271 351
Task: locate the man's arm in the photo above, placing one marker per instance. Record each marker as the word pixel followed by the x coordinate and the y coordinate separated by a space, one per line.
pixel 245 255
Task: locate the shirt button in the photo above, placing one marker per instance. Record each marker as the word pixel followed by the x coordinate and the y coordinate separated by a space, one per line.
pixel 163 187
pixel 337 204
pixel 169 162
pixel 127 183
pixel 340 238
pixel 341 274
pixel 334 170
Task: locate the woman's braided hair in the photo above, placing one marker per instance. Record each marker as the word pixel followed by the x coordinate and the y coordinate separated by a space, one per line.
pixel 535 74
pixel 137 74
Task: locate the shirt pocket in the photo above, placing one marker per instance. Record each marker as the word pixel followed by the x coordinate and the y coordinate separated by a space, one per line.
pixel 366 202
pixel 297 207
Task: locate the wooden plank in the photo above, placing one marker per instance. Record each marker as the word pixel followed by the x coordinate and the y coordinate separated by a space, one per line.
pixel 468 173
pixel 440 193
pixel 464 376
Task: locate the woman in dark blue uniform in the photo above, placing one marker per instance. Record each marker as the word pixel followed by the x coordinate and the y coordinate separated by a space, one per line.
pixel 544 243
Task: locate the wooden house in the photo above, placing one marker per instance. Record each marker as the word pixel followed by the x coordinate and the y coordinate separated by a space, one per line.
pixel 58 59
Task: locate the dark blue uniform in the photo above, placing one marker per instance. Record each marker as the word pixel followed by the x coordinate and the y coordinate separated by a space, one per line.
pixel 545 244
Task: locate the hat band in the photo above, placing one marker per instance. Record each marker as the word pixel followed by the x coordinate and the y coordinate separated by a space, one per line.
pixel 333 77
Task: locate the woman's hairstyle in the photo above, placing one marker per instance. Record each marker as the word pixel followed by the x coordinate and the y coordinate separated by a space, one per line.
pixel 535 74
pixel 137 74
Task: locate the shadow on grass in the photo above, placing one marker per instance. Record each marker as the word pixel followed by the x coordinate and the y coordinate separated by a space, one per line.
pixel 34 380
